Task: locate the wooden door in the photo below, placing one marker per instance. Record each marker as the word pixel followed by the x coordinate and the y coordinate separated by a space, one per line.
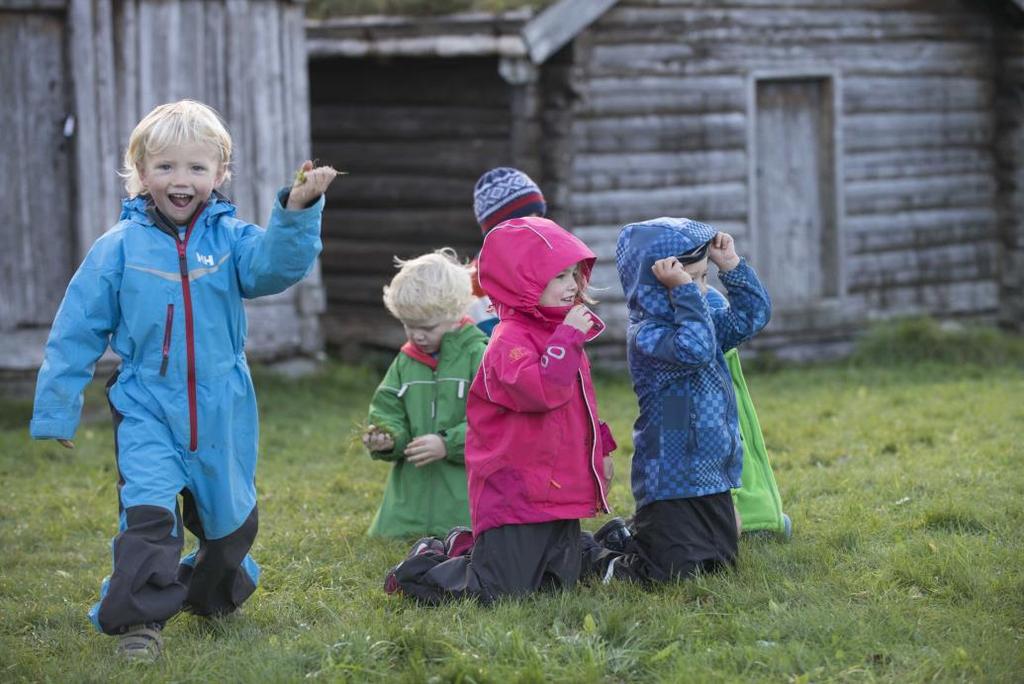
pixel 35 210
pixel 795 222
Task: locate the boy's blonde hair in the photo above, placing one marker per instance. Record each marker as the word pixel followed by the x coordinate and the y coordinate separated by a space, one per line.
pixel 432 288
pixel 174 123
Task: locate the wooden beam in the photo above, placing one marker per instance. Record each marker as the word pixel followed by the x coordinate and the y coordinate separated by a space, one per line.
pixel 33 4
pixel 557 25
pixel 467 34
pixel 417 46
pixel 95 102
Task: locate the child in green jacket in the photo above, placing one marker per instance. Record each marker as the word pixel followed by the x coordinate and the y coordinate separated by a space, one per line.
pixel 757 501
pixel 417 416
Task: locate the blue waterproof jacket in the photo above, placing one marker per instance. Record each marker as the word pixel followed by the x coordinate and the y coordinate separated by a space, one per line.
pixel 171 308
pixel 686 439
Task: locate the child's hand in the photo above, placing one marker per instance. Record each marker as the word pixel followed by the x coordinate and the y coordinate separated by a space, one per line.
pixel 66 443
pixel 609 469
pixel 309 184
pixel 722 252
pixel 670 272
pixel 426 449
pixel 375 439
pixel 579 318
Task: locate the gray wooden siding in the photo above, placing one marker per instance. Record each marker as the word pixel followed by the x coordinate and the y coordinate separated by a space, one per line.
pixel 663 122
pixel 247 58
pixel 1010 173
pixel 555 145
pixel 35 160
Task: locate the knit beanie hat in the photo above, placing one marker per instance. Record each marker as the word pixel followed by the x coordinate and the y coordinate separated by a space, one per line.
pixel 504 193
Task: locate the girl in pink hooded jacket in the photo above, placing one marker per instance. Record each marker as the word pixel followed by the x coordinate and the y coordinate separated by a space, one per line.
pixel 535 448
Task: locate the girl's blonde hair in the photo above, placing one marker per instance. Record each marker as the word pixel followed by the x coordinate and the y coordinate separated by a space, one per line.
pixel 583 291
pixel 174 123
pixel 432 288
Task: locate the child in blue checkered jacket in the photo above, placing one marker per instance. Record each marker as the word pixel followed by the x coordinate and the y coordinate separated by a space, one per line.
pixel 688 452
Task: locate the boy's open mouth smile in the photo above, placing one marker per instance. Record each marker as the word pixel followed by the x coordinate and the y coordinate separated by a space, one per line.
pixel 180 200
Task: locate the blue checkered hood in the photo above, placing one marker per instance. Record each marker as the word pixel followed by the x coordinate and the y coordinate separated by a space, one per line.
pixel 639 246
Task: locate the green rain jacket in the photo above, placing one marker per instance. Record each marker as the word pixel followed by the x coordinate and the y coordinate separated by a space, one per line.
pixel 421 395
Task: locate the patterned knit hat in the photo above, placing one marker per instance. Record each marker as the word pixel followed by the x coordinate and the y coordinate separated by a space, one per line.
pixel 504 193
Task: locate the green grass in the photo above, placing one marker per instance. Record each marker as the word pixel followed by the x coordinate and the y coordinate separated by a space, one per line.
pixel 914 340
pixel 904 485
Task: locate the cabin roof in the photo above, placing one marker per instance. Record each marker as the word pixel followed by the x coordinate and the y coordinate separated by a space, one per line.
pixel 523 32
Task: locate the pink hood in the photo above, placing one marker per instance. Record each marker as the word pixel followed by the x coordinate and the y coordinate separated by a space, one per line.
pixel 520 257
pixel 534 446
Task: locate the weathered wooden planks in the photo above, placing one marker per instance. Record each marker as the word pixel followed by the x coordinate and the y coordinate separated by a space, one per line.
pixel 652 110
pixel 649 170
pixel 663 125
pixel 35 171
pixel 244 57
pixel 1009 154
pixel 459 35
pixel 357 258
pixel 414 136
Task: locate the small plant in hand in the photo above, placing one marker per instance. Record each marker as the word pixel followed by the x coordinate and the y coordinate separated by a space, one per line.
pixel 378 438
pixel 309 184
pixel 300 175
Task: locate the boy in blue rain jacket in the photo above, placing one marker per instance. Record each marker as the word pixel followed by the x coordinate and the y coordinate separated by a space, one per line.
pixel 164 288
pixel 688 453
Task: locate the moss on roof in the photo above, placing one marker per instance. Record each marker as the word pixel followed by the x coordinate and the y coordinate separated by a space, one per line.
pixel 335 8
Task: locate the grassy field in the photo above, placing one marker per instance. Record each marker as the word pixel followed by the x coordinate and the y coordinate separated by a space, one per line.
pixel 904 485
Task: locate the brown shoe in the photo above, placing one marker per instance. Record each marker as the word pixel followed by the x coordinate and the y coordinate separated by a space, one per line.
pixel 141 643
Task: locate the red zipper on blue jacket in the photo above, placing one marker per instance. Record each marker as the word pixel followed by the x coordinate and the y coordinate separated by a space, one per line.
pixel 190 340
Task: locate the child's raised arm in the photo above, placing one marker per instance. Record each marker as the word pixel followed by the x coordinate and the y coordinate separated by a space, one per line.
pixel 690 339
pixel 309 184
pixel 272 260
pixel 750 307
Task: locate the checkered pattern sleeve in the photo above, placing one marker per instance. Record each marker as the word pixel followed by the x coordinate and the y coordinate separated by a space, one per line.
pixel 690 340
pixel 749 309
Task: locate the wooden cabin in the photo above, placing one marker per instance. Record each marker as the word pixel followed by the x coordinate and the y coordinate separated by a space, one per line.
pixel 77 76
pixel 868 155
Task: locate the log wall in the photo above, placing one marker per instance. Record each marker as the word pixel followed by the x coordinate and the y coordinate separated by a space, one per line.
pixel 663 126
pixel 35 167
pixel 653 110
pixel 414 135
pixel 1010 172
